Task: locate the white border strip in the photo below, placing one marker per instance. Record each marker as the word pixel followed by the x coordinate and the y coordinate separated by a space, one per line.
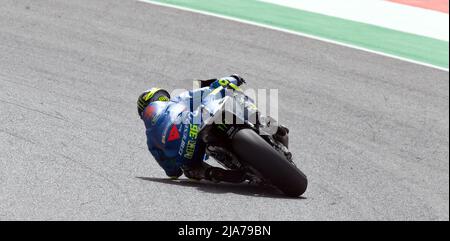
pixel 382 13
pixel 294 33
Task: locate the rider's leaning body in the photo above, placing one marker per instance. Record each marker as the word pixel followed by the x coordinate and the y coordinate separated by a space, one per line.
pixel 172 127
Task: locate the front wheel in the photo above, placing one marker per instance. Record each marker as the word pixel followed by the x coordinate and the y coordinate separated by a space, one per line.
pixel 253 150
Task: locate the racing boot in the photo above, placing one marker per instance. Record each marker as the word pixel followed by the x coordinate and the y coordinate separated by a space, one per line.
pixel 214 174
pixel 217 175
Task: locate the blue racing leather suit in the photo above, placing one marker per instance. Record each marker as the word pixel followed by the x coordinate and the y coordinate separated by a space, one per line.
pixel 172 129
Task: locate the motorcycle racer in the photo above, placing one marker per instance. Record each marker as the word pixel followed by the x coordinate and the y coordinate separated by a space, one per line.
pixel 172 133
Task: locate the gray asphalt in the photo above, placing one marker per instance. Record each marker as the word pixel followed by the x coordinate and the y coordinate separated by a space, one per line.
pixel 370 132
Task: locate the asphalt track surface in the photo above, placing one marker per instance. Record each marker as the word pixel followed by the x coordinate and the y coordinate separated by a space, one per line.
pixel 370 132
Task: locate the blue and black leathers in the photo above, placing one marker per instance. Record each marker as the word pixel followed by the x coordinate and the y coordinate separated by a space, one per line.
pixel 172 129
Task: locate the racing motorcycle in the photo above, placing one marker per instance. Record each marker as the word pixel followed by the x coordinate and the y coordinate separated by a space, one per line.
pixel 239 137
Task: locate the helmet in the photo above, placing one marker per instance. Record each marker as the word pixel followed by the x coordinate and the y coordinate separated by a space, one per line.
pixel 149 96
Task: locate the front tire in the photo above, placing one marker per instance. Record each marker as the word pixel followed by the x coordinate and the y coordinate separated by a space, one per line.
pixel 253 150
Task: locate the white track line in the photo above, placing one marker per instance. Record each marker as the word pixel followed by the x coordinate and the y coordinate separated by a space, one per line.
pixel 294 33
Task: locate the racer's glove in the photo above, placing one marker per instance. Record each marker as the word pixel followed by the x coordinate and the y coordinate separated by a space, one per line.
pixel 205 83
pixel 239 79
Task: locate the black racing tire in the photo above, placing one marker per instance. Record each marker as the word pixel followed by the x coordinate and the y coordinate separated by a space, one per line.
pixel 253 150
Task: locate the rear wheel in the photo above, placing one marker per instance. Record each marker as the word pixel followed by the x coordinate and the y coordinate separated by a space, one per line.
pixel 252 149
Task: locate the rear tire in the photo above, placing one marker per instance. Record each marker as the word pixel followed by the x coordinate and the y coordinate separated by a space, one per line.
pixel 253 150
